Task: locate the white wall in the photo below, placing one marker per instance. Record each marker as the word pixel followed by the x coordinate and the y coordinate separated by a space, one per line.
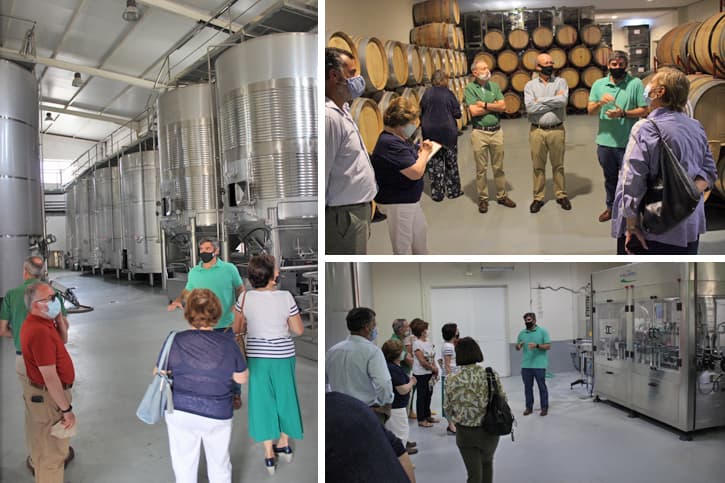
pixel 384 19
pixel 339 297
pixel 402 290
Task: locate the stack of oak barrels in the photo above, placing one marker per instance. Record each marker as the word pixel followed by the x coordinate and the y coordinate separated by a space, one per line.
pixel 393 68
pixel 698 49
pixel 579 57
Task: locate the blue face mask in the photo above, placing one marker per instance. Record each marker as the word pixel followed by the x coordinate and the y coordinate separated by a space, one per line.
pixel 409 130
pixel 53 308
pixel 356 86
pixel 646 92
pixel 373 335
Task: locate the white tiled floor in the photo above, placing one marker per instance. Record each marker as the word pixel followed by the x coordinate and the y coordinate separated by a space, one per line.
pixel 578 442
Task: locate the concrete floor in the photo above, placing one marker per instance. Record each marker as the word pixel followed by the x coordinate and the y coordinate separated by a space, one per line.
pixel 578 442
pixel 456 227
pixel 114 350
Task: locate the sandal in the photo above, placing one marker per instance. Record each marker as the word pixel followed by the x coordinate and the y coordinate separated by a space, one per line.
pixel 425 424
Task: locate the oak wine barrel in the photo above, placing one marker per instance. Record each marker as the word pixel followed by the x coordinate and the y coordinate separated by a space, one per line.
pixel 486 57
pixel 601 56
pixel 571 76
pixel 383 99
pixel 591 74
pixel 369 120
pixel 542 37
pixel 501 80
pixel 519 80
pixel 707 96
pixel 343 41
pixel 579 98
pixel 494 40
pixel 440 35
pixel 566 35
pixel 518 39
pixel 513 102
pixel 436 11
pixel 508 61
pixel 373 63
pixel 591 35
pixel 559 57
pixel 415 65
pixel 709 40
pixel 580 56
pixel 397 56
pixel 528 60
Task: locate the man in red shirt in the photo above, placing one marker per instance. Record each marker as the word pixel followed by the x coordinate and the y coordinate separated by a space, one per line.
pixel 50 375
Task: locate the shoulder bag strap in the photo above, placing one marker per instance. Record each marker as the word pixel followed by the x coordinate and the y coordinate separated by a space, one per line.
pixel 164 359
pixel 489 377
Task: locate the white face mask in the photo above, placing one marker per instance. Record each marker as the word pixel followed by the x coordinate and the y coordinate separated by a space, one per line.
pixel 484 77
pixel 409 130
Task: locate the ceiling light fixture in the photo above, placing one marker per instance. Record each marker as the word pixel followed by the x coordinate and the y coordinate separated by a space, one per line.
pixel 132 12
pixel 77 81
pixel 614 17
pixel 48 117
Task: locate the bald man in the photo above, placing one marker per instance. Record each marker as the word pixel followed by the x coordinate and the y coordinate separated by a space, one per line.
pixel 485 103
pixel 545 98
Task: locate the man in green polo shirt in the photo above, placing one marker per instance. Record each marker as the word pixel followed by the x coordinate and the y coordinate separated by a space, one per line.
pixel 485 103
pixel 534 341
pixel 220 277
pixel 619 102
pixel 12 315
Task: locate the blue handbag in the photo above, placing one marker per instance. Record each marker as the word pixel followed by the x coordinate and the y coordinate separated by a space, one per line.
pixel 158 395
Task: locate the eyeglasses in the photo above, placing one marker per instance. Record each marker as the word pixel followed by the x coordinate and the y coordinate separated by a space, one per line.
pixel 49 299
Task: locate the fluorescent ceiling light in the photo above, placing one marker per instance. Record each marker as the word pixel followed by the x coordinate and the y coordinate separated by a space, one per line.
pixel 497 268
pixel 77 81
pixel 132 12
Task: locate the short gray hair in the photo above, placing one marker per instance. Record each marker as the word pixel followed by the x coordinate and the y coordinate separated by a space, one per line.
pixel 618 54
pixel 32 267
pixel 398 324
pixel 213 241
pixel 30 292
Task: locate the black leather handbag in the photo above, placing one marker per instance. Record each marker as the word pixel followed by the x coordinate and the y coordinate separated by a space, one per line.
pixel 671 197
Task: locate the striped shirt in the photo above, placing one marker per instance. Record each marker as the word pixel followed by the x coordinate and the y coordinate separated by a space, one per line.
pixel 267 313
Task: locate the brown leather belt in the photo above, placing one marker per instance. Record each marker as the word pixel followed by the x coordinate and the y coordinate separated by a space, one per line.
pixel 45 388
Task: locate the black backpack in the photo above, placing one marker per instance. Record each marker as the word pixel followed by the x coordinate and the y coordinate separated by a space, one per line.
pixel 498 419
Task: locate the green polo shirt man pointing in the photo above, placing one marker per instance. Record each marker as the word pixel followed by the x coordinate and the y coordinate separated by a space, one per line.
pixel 220 277
pixel 536 343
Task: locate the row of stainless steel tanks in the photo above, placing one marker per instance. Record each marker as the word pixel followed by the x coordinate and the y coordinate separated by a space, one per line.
pixel 262 173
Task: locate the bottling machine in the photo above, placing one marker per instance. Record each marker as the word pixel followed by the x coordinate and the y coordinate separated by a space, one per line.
pixel 659 341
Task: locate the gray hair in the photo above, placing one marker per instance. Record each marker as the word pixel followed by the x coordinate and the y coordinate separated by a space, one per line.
pixel 398 324
pixel 34 268
pixel 30 292
pixel 213 241
pixel 438 77
pixel 478 61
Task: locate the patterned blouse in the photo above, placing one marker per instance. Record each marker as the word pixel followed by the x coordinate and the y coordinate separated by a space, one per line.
pixel 467 395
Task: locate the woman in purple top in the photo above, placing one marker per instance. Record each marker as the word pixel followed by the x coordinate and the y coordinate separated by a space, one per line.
pixel 399 168
pixel 666 95
pixel 203 363
pixel 439 110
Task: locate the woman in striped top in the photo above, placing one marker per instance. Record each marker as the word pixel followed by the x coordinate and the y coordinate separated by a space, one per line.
pixel 269 316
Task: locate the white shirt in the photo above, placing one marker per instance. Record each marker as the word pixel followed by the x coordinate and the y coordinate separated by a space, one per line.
pixel 267 313
pixel 448 349
pixel 428 351
pixel 349 175
pixel 357 367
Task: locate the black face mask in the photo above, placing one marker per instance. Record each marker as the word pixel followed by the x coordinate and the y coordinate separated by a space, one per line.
pixel 530 325
pixel 206 257
pixel 547 70
pixel 617 73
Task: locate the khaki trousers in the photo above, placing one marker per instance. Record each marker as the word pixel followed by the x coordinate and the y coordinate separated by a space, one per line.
pixel 548 143
pixel 47 452
pixel 347 229
pixel 488 144
pixel 22 377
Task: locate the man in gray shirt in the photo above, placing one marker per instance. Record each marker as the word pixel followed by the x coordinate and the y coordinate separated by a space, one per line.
pixel 357 367
pixel 545 98
pixel 350 185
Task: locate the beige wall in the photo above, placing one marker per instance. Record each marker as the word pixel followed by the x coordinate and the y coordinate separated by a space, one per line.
pixel 660 23
pixel 699 11
pixel 402 290
pixel 384 19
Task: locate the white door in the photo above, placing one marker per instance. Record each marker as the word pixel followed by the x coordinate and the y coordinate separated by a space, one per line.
pixel 480 312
